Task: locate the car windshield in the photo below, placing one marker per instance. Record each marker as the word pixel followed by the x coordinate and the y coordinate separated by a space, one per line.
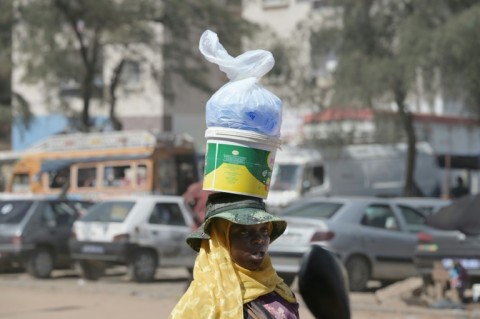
pixel 317 210
pixel 415 219
pixel 13 211
pixel 285 177
pixel 109 212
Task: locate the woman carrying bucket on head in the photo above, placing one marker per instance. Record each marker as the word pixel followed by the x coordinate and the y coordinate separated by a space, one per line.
pixel 233 274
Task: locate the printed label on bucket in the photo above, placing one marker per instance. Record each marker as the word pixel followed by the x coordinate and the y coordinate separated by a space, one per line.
pixel 238 169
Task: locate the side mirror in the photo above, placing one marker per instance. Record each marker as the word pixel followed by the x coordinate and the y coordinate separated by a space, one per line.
pixel 323 284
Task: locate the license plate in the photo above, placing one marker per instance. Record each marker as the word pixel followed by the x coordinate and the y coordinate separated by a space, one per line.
pixel 93 249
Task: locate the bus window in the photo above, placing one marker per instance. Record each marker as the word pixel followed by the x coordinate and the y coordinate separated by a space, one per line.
pixel 86 177
pixel 186 172
pixel 165 176
pixel 21 183
pixel 59 179
pixel 141 175
pixel 117 175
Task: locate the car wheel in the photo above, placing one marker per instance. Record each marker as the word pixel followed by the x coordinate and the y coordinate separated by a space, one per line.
pixel 40 263
pixel 358 273
pixel 90 270
pixel 287 278
pixel 143 267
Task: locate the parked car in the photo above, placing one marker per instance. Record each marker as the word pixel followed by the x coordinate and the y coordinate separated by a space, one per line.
pixel 142 233
pixel 444 247
pixel 456 236
pixel 374 237
pixel 34 232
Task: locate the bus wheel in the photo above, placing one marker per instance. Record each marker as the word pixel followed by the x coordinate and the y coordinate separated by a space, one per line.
pixel 40 263
pixel 143 266
pixel 90 270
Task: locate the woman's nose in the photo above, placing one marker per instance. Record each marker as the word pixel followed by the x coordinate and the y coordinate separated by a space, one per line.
pixel 259 238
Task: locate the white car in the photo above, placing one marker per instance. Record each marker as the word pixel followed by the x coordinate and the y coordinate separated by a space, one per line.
pixel 143 233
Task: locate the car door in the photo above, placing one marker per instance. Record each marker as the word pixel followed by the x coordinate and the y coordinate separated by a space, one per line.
pixel 59 217
pixel 389 245
pixel 53 226
pixel 167 229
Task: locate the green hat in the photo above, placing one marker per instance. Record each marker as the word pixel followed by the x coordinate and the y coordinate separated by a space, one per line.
pixel 238 209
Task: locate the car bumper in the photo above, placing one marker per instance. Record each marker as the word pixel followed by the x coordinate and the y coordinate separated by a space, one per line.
pixel 14 254
pixel 286 262
pixel 112 252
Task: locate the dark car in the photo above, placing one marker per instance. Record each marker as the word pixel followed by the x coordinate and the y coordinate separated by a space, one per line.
pixel 455 237
pixel 34 232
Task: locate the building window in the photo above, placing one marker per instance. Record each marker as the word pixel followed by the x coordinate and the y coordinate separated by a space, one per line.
pixel 130 77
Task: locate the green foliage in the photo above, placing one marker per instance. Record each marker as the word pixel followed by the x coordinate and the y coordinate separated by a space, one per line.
pixel 458 53
pixel 63 40
pixel 6 23
pixel 184 21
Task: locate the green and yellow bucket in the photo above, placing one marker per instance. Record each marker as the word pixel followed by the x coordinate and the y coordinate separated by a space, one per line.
pixel 239 161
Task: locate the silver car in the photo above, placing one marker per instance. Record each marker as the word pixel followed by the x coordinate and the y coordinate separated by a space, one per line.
pixel 142 233
pixel 375 238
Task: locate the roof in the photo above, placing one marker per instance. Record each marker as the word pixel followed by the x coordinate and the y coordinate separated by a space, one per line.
pixel 364 114
pixel 115 139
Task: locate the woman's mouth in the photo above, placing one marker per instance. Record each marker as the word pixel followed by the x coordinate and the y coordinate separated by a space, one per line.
pixel 259 255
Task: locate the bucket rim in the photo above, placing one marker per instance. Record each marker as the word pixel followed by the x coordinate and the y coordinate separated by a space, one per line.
pixel 242 135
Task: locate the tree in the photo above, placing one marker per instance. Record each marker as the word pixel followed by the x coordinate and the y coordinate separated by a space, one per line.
pixel 63 41
pixel 458 46
pixel 382 45
pixel 6 23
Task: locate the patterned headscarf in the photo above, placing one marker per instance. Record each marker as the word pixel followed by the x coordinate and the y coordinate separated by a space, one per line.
pixel 221 287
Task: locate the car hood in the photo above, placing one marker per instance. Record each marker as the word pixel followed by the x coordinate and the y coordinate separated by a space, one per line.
pixel 97 231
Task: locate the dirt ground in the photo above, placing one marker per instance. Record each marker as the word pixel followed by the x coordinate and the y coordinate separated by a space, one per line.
pixel 65 296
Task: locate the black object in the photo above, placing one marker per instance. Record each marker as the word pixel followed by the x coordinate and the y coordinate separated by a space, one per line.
pixel 322 284
pixel 462 214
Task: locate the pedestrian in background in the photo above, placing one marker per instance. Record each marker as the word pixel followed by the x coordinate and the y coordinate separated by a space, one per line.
pixel 458 279
pixel 459 190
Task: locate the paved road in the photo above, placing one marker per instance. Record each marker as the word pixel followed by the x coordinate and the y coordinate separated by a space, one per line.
pixel 65 296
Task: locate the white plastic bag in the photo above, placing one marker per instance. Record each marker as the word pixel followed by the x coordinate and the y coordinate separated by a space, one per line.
pixel 242 103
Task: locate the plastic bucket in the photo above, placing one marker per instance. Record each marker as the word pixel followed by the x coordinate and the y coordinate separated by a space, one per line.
pixel 239 161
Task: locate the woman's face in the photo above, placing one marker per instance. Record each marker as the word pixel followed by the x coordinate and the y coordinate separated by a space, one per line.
pixel 249 244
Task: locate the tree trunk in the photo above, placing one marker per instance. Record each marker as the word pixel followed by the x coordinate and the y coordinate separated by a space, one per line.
pixel 116 124
pixel 406 117
pixel 87 93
